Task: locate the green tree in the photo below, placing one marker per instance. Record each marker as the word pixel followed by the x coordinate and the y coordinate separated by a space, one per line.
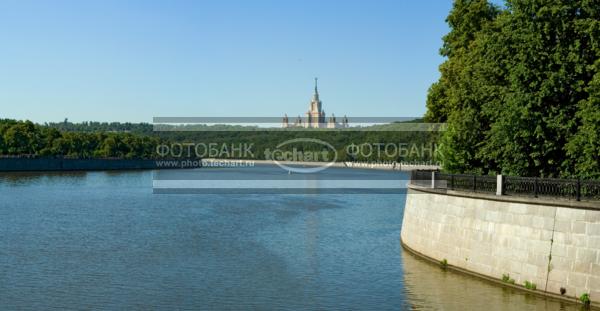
pixel 21 138
pixel 455 98
pixel 584 148
pixel 522 83
pixel 548 68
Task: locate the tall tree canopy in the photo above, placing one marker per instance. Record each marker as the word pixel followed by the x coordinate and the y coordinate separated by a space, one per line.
pixel 520 89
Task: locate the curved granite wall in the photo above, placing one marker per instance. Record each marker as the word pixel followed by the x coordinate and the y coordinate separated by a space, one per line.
pixel 551 245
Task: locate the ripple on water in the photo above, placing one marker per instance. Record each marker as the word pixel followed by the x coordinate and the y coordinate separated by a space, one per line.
pixel 104 241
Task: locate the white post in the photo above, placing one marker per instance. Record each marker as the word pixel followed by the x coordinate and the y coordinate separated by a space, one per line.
pixel 432 180
pixel 499 183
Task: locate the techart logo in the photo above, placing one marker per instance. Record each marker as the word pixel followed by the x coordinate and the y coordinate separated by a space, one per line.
pixel 316 153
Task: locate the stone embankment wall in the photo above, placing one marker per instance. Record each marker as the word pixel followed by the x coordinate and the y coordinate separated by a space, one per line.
pixel 553 244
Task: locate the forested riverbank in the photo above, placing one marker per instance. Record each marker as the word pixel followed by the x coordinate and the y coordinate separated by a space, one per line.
pixel 95 140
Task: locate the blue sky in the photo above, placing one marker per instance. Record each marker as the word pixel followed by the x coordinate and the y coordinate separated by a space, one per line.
pixel 134 60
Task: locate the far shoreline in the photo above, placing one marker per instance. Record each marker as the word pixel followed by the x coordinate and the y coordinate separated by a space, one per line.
pixel 42 164
pixel 380 165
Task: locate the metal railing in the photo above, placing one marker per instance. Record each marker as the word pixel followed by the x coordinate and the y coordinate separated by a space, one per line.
pixel 421 178
pixel 463 182
pixel 571 189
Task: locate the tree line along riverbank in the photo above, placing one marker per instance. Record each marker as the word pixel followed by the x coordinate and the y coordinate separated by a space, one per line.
pixel 94 140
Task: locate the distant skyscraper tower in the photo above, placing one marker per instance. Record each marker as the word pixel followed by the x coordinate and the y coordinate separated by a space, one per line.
pixel 315 116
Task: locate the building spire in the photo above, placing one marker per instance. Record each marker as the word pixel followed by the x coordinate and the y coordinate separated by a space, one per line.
pixel 316 91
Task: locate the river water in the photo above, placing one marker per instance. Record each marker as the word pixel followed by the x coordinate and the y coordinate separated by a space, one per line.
pixel 103 240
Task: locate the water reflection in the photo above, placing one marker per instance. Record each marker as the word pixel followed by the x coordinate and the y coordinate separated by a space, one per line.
pixel 32 178
pixel 429 287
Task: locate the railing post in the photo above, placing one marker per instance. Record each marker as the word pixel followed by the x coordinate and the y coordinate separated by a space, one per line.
pixel 474 183
pixel 499 185
pixel 578 189
pixel 535 187
pixel 433 180
pixel 451 181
